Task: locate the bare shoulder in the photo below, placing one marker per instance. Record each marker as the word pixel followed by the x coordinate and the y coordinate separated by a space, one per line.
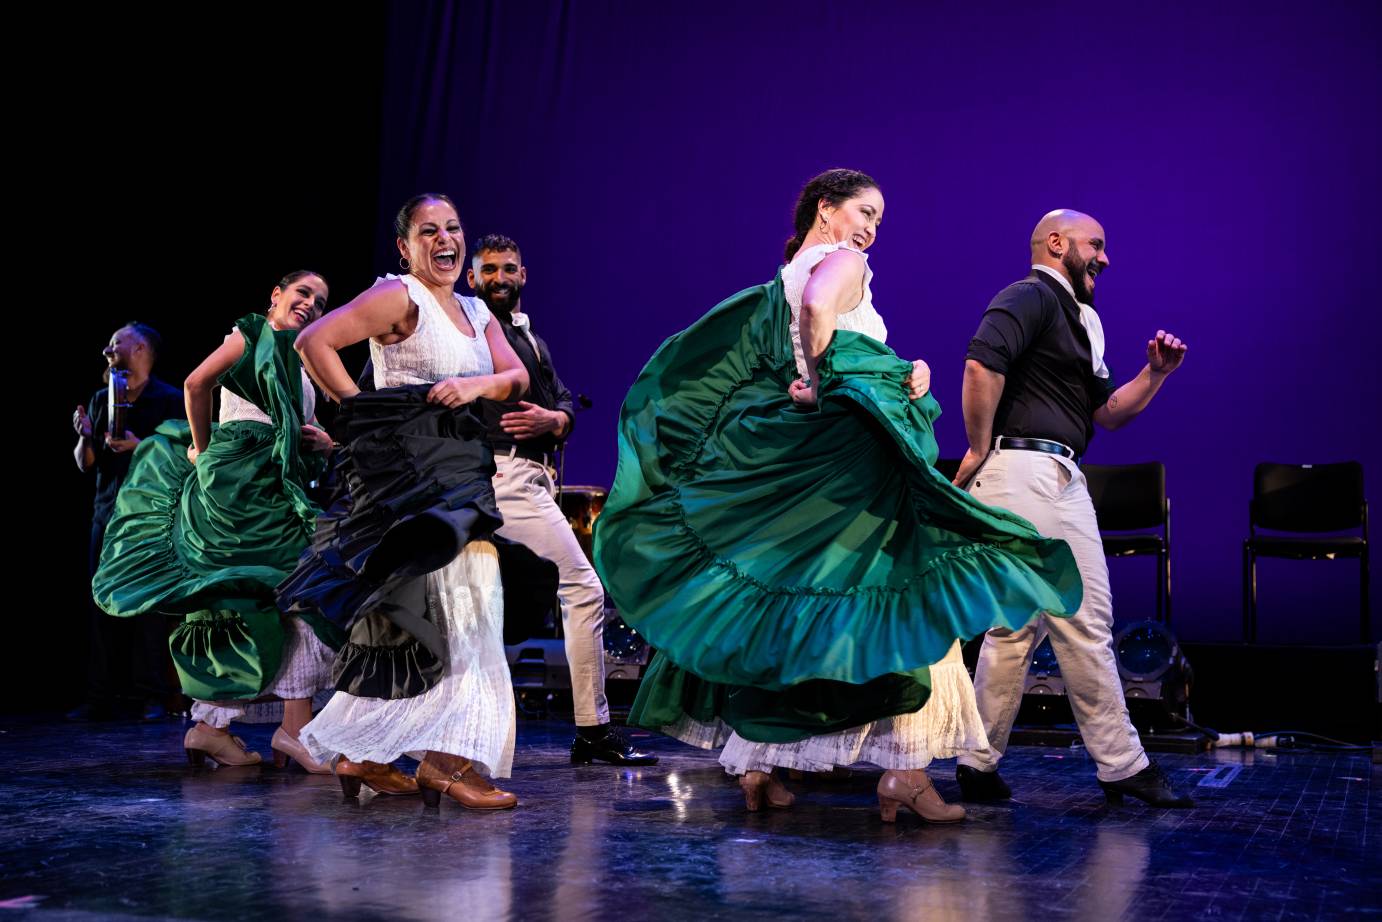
pixel 389 293
pixel 839 272
pixel 388 310
pixel 844 261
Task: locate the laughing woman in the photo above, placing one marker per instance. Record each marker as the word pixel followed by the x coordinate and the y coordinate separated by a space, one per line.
pixel 212 518
pixel 402 558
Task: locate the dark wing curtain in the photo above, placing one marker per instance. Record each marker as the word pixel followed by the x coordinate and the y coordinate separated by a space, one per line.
pixel 472 92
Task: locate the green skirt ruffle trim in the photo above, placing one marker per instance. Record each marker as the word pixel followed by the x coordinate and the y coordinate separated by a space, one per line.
pixel 227 655
pixel 219 535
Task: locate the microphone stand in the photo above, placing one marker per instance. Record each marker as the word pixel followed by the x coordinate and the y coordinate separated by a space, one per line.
pixel 583 403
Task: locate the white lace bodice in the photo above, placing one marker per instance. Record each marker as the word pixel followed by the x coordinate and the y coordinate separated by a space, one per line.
pixel 862 319
pixel 235 408
pixel 437 349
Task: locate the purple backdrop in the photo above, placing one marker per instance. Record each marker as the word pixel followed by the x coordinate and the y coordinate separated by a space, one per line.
pixel 647 159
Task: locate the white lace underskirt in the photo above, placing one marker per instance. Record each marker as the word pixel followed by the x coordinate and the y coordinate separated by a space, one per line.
pixel 469 713
pixel 305 672
pixel 946 726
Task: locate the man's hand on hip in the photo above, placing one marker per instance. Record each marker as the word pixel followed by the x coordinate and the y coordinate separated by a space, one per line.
pixel 969 466
pixel 531 421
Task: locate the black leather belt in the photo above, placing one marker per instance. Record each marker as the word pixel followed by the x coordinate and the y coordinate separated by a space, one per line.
pixel 1019 444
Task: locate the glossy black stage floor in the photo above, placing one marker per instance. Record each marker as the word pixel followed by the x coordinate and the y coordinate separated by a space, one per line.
pixel 107 821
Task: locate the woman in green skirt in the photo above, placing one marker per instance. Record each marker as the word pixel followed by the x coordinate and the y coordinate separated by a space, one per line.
pixel 778 532
pixel 211 519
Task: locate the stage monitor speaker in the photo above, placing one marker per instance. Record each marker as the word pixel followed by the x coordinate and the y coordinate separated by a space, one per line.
pixel 627 654
pixel 1155 674
pixel 1044 702
pixel 540 662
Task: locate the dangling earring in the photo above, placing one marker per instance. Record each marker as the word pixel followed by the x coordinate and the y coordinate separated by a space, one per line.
pixel 824 224
pixel 403 263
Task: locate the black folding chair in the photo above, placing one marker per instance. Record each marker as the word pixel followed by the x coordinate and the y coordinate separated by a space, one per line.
pixel 1132 498
pixel 1311 498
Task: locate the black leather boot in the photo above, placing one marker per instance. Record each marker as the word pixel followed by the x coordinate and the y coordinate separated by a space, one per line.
pixel 978 787
pixel 1150 785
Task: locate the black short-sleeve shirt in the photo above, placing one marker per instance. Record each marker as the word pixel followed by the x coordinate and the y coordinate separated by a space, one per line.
pixel 157 402
pixel 1031 333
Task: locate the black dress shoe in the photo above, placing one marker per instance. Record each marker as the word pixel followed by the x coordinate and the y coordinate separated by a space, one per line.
pixel 1150 785
pixel 613 747
pixel 978 787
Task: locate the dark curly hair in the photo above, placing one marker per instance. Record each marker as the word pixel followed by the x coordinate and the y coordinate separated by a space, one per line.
pixel 404 220
pixel 835 187
pixel 296 274
pixel 495 243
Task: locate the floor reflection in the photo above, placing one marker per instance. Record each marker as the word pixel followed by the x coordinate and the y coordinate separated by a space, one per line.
pixel 108 821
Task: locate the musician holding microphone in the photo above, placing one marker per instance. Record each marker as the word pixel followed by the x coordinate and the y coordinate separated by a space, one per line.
pixel 128 663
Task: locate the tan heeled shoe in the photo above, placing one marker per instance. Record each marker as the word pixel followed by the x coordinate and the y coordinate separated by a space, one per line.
pixel 761 786
pixel 381 779
pixel 201 744
pixel 286 747
pixel 465 786
pixel 923 800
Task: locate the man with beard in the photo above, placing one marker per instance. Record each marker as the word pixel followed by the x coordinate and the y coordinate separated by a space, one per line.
pixel 1035 383
pixel 524 443
pixel 128 657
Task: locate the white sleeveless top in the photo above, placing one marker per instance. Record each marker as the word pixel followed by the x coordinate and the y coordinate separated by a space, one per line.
pixel 235 408
pixel 437 349
pixel 861 319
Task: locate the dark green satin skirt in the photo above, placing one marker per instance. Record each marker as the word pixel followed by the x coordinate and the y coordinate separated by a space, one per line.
pixel 209 542
pixel 798 570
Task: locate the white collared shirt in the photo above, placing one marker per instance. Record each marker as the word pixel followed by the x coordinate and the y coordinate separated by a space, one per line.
pixel 1089 319
pixel 522 324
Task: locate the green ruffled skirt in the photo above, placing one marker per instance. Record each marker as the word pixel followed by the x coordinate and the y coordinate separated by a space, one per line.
pixel 210 542
pixel 798 570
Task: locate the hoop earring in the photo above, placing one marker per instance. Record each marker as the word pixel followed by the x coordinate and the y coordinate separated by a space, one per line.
pixel 824 224
pixel 403 264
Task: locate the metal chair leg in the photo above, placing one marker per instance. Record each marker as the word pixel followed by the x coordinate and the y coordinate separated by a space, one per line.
pixel 1163 613
pixel 1252 597
pixel 1168 587
pixel 1248 617
pixel 1365 613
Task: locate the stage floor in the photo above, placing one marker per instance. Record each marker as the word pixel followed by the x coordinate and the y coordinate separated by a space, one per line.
pixel 107 821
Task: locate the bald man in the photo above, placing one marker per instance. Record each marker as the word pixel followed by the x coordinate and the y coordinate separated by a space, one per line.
pixel 128 658
pixel 1035 384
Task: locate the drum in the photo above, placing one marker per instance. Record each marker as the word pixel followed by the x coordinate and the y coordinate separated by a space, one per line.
pixel 117 403
pixel 581 505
